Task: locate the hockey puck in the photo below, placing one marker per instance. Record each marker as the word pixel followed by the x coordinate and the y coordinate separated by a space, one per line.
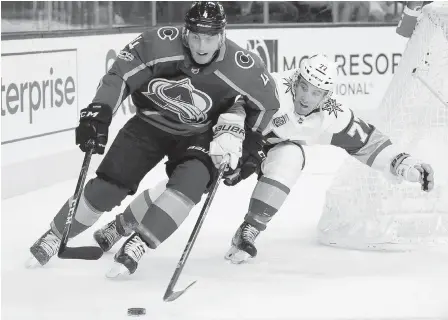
pixel 135 312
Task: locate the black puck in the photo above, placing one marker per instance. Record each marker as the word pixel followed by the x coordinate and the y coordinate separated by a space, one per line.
pixel 135 312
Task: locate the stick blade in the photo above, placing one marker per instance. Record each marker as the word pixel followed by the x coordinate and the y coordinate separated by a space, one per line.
pixel 173 295
pixel 81 253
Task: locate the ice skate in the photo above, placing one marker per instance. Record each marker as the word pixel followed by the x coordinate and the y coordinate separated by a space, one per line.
pixel 43 249
pixel 243 246
pixel 107 236
pixel 127 258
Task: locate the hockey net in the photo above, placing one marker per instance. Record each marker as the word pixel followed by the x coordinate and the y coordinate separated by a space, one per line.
pixel 364 209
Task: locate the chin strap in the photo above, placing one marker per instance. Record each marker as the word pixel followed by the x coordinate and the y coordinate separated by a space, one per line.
pixel 301 117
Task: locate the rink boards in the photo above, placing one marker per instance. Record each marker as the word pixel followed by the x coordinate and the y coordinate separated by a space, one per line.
pixel 46 81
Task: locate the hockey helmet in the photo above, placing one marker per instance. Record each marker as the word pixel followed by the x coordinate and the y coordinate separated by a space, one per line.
pixel 319 71
pixel 206 17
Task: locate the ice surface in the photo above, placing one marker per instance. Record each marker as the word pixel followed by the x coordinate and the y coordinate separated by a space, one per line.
pixel 292 278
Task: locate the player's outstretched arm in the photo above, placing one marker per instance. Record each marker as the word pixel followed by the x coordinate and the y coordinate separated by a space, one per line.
pixel 370 146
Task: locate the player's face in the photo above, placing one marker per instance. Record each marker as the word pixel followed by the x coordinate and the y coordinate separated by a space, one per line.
pixel 308 97
pixel 203 46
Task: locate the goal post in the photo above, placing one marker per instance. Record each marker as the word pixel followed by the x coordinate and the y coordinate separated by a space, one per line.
pixel 364 209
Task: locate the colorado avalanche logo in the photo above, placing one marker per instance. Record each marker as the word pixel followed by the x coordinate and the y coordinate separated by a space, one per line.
pixel 181 98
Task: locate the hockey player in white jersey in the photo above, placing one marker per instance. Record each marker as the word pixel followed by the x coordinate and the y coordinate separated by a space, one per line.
pixel 309 115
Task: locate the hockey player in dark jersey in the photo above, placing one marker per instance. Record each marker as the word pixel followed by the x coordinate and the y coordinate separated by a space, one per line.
pixel 184 82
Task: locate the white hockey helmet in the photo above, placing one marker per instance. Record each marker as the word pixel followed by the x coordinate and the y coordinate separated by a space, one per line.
pixel 319 71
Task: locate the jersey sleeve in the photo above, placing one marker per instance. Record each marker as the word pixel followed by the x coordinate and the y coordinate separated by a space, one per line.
pixel 235 114
pixel 237 109
pixel 361 140
pixel 133 67
pixel 257 90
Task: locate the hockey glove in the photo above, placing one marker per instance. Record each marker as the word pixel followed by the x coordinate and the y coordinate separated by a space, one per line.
pixel 413 170
pixel 228 139
pixel 94 125
pixel 251 160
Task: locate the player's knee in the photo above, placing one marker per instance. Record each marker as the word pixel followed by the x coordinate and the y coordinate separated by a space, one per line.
pixel 190 178
pixel 284 163
pixel 103 195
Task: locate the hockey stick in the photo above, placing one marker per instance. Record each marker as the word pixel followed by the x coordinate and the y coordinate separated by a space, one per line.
pixel 83 253
pixel 171 295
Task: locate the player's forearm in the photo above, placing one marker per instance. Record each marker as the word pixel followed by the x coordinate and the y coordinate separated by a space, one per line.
pixel 111 91
pixel 258 115
pixel 243 110
pixel 371 149
pixel 384 159
pixel 236 112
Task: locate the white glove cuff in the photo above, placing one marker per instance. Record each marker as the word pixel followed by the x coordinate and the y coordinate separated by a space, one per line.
pixel 406 166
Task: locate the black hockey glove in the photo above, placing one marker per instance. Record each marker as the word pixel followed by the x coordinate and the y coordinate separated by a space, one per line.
pixel 94 125
pixel 251 160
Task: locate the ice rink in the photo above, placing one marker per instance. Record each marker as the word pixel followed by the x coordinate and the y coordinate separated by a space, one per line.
pixel 293 276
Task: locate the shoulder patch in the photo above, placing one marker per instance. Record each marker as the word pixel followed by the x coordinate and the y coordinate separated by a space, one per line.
pixel 332 106
pixel 135 42
pixel 281 120
pixel 169 33
pixel 126 56
pixel 244 60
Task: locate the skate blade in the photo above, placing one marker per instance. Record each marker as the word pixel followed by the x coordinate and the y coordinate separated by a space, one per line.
pixel 117 272
pixel 236 256
pixel 32 263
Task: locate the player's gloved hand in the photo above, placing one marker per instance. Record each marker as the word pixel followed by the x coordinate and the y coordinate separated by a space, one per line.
pixel 228 139
pixel 251 160
pixel 94 125
pixel 414 170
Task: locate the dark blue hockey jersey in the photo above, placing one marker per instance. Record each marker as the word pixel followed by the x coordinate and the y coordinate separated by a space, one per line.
pixel 180 97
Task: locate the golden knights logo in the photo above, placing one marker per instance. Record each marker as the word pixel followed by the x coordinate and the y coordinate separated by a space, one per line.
pixel 332 107
pixel 181 98
pixel 291 83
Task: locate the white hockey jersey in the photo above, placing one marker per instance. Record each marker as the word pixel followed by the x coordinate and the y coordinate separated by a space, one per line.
pixel 333 124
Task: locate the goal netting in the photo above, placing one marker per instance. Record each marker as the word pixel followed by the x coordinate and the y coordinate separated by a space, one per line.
pixel 364 209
